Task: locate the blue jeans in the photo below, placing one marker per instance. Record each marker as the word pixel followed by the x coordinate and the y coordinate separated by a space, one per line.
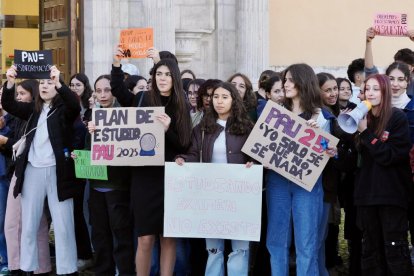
pixel 323 234
pixel 288 202
pixel 237 263
pixel 4 189
pixel 182 261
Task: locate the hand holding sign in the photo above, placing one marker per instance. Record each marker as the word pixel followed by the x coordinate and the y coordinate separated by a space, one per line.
pixel 54 76
pixel 154 54
pixel 11 76
pixel 118 55
pixel 91 127
pixel 370 34
pixel 33 64
pixel 410 34
pixel 165 121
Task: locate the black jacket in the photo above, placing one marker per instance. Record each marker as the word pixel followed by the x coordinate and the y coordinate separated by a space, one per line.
pixel 59 125
pixel 384 177
pixel 234 144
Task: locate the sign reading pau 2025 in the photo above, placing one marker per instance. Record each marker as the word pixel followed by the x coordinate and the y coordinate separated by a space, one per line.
pixel 127 136
pixel 283 142
pixel 33 64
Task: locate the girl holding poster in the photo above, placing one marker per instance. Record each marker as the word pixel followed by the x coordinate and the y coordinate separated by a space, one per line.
pixel 383 183
pixel 218 139
pixel 26 91
pixel 288 202
pixel 147 183
pixel 43 170
pixel 109 205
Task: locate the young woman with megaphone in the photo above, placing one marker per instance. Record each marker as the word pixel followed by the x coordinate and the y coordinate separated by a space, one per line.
pixel 382 183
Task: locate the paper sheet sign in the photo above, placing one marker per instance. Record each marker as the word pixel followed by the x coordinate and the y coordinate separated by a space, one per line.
pixel 84 169
pixel 33 64
pixel 135 42
pixel 205 200
pixel 127 136
pixel 283 142
pixel 391 24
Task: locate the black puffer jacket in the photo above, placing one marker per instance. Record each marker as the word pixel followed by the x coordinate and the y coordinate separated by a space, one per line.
pixel 59 125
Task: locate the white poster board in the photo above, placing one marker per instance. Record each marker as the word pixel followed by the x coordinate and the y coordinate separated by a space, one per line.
pixel 282 141
pixel 205 200
pixel 127 136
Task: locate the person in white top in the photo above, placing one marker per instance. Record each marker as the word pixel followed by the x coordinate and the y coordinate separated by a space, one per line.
pixel 44 169
pixel 219 138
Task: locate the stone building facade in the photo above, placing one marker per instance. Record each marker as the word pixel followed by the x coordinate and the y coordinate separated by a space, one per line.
pixel 214 38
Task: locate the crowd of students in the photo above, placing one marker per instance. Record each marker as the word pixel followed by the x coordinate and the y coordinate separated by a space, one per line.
pixel 370 174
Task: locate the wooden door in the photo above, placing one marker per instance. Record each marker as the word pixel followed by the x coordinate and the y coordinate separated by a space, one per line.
pixel 59 33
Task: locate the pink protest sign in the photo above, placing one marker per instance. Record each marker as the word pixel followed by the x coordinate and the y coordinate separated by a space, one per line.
pixel 391 24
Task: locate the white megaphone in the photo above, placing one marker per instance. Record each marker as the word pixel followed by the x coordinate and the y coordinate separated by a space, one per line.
pixel 349 121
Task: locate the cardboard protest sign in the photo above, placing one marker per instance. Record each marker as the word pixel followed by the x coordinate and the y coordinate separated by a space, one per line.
pixel 283 142
pixel 84 169
pixel 135 42
pixel 127 136
pixel 205 200
pixel 391 24
pixel 33 64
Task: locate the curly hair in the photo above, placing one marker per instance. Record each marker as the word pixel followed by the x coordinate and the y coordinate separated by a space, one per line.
pixel 238 123
pixel 249 100
pixel 202 91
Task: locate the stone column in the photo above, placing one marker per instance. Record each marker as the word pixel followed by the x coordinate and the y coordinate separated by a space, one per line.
pixel 252 50
pixel 159 15
pixel 98 38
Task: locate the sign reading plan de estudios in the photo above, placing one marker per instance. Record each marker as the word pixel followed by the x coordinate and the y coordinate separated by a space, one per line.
pixel 127 136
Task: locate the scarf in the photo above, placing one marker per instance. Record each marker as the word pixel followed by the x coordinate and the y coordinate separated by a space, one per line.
pixel 400 101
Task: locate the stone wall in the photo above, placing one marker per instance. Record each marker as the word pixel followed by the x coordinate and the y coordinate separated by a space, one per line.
pixel 214 38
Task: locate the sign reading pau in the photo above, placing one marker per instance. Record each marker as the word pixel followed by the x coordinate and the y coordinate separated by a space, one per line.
pixel 33 64
pixel 283 142
pixel 127 136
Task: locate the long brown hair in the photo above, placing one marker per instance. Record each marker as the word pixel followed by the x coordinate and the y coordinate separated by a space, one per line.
pixel 307 85
pixel 385 107
pixel 249 99
pixel 182 114
pixel 238 123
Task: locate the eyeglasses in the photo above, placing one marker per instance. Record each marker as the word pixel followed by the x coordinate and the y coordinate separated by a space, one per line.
pixel 192 93
pixel 207 96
